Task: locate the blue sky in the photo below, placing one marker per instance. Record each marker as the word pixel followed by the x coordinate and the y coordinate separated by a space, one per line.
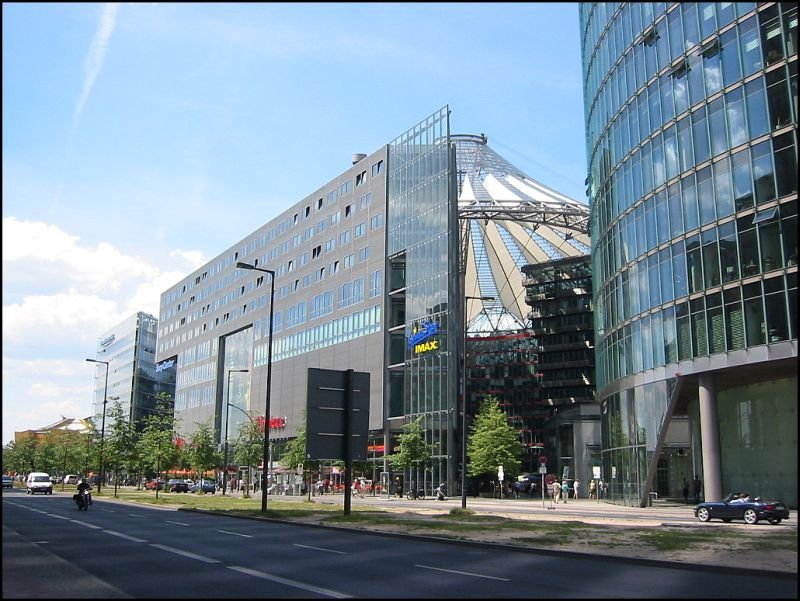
pixel 141 140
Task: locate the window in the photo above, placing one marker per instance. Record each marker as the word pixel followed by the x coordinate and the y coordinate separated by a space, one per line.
pixel 363 254
pixel 336 217
pixel 366 200
pixel 360 229
pixel 330 245
pixel 331 197
pixel 376 283
pixel 377 168
pixel 345 188
pixel 344 238
pixel 348 210
pixel 376 221
pixel 361 178
pixel 348 261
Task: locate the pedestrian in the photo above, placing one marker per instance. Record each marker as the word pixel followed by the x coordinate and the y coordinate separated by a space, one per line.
pixel 556 492
pixel 592 489
pixel 697 485
pixel 576 485
pixel 600 489
pixel 398 487
pixel 685 490
pixel 565 490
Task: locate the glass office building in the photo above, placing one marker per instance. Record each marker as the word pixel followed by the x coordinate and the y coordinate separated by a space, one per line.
pixel 691 124
pixel 134 378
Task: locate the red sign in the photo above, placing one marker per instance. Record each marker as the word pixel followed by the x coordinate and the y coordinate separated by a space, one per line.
pixel 543 459
pixel 550 478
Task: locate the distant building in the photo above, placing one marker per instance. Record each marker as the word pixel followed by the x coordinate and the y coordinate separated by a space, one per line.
pixel 74 425
pixel 559 293
pixel 134 378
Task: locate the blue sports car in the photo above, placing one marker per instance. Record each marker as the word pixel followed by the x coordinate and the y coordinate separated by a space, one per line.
pixel 740 506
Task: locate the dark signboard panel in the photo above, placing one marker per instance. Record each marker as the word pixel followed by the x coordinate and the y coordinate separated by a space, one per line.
pixel 328 419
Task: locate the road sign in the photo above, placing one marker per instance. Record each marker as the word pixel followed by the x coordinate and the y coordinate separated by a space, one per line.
pixel 500 473
pixel 542 469
pixel 543 459
pixel 550 478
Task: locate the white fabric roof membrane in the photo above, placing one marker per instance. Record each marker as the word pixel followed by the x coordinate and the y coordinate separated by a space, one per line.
pixel 494 194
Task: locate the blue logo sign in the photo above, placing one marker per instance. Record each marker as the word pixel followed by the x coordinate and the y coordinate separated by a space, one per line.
pixel 421 333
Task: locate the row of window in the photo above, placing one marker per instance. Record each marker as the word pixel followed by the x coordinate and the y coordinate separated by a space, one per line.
pixel 731 57
pixel 259 242
pixel 732 319
pixel 731 184
pixel 737 249
pixel 336 331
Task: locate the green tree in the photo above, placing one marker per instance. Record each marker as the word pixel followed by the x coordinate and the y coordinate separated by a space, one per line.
pixel 248 450
pixel 121 443
pixel 157 442
pixel 294 456
pixel 493 442
pixel 413 452
pixel 202 451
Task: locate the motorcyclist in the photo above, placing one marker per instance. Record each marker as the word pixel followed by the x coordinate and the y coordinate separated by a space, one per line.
pixel 84 485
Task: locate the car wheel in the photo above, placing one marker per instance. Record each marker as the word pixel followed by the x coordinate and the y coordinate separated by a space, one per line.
pixel 703 515
pixel 775 521
pixel 750 516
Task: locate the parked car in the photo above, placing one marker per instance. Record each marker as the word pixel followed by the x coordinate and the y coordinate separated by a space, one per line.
pixel 8 482
pixel 151 485
pixel 71 479
pixel 204 485
pixel 177 485
pixel 740 506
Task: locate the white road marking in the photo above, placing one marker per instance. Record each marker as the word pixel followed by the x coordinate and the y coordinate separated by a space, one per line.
pixel 462 573
pixel 136 515
pixel 88 525
pixel 60 517
pixel 184 553
pixel 236 534
pixel 178 523
pixel 319 549
pixel 125 536
pixel 301 585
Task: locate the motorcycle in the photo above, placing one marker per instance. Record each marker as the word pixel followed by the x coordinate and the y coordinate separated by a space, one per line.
pixel 83 499
pixel 420 494
pixel 440 491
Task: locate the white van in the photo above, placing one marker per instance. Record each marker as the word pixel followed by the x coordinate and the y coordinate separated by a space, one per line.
pixel 39 482
pixel 71 479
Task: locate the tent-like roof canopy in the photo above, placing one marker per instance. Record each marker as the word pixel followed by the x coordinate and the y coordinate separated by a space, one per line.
pixel 508 220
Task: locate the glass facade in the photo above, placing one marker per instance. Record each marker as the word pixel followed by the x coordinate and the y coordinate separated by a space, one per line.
pixel 422 260
pixel 691 115
pixel 134 378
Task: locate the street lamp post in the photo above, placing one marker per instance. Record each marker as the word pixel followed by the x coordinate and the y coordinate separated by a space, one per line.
pixel 228 404
pixel 103 426
pixel 464 402
pixel 271 273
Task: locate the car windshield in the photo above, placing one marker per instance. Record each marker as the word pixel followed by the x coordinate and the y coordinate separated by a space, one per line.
pixel 41 479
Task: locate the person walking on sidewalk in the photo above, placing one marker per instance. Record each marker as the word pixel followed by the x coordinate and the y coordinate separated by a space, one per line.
pixel 565 490
pixel 556 492
pixel 697 486
pixel 685 490
pixel 576 485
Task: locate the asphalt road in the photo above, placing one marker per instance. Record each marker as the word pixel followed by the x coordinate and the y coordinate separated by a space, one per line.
pixel 118 550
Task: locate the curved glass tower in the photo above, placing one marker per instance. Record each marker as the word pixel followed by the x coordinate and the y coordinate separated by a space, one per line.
pixel 691 116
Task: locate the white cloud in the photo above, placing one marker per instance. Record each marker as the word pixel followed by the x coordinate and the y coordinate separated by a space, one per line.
pixel 93 63
pixel 59 297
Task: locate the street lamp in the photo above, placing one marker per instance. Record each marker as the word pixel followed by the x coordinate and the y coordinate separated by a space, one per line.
pixel 228 404
pixel 271 273
pixel 103 426
pixel 464 402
